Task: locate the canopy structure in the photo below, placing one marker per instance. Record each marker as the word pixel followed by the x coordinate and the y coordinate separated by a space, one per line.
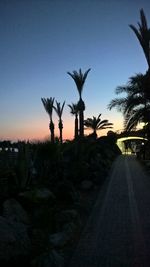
pixel 130 144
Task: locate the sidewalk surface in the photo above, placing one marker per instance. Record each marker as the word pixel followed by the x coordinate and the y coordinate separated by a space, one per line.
pixel 117 233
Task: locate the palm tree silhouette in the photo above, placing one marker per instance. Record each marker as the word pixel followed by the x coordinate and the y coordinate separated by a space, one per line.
pixel 74 111
pixel 79 79
pixel 59 111
pixel 97 124
pixel 48 104
pixel 136 116
pixel 143 35
pixel 136 105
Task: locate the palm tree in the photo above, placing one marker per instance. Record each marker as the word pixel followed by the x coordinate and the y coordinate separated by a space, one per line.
pixel 137 115
pixel 74 111
pixel 59 111
pixel 135 106
pixel 48 104
pixel 97 124
pixel 79 79
pixel 143 35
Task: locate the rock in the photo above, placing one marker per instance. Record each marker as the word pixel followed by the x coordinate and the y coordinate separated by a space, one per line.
pixel 4 188
pixel 66 216
pixel 14 211
pixel 147 163
pixel 86 185
pixel 69 229
pixel 60 239
pixel 14 240
pixel 38 240
pixel 66 192
pixel 38 195
pixel 44 194
pixel 49 259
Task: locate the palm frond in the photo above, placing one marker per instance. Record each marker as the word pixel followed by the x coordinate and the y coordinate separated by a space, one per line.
pixel 104 124
pixel 95 123
pixel 122 89
pixel 59 109
pixel 79 79
pixel 48 104
pixel 73 109
pixel 133 102
pixel 138 35
pixel 132 120
pixel 143 35
pixel 140 114
pixel 118 103
pixel 143 19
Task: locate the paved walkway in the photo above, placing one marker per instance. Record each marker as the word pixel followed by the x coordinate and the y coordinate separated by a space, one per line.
pixel 118 231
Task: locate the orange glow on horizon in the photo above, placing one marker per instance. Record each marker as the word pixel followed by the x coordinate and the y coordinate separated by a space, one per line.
pixel 39 130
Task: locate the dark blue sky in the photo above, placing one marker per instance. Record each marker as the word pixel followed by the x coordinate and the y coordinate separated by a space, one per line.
pixel 42 40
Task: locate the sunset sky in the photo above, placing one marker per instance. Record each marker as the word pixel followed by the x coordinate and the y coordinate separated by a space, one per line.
pixel 40 40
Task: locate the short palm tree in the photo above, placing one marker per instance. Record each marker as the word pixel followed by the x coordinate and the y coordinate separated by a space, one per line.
pixel 97 124
pixel 74 111
pixel 48 104
pixel 59 111
pixel 79 79
pixel 143 35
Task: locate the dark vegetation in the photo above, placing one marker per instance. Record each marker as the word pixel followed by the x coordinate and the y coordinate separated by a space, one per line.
pixel 47 190
pixel 135 105
pixel 135 102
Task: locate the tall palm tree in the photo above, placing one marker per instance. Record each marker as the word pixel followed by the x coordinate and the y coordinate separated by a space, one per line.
pixel 59 111
pixel 74 111
pixel 48 104
pixel 79 79
pixel 143 35
pixel 97 124
pixel 135 106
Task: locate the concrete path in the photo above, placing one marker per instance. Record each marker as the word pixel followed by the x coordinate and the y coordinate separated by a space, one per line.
pixel 118 231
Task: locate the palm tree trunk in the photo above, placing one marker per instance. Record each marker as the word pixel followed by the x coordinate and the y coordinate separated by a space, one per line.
pixel 81 108
pixel 51 127
pixel 148 131
pixel 60 126
pixel 147 85
pixel 81 120
pixel 94 134
pixel 76 127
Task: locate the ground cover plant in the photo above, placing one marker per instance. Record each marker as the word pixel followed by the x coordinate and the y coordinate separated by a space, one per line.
pixel 47 191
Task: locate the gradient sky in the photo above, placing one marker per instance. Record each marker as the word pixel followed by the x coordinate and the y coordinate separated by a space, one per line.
pixel 43 39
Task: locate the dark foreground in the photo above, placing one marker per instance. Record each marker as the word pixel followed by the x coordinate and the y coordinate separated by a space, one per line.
pixel 118 231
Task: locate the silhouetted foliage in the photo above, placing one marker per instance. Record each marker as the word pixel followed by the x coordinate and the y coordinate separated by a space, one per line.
pixel 79 79
pixel 59 111
pixel 97 124
pixel 143 35
pixel 135 106
pixel 74 111
pixel 50 181
pixel 48 104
